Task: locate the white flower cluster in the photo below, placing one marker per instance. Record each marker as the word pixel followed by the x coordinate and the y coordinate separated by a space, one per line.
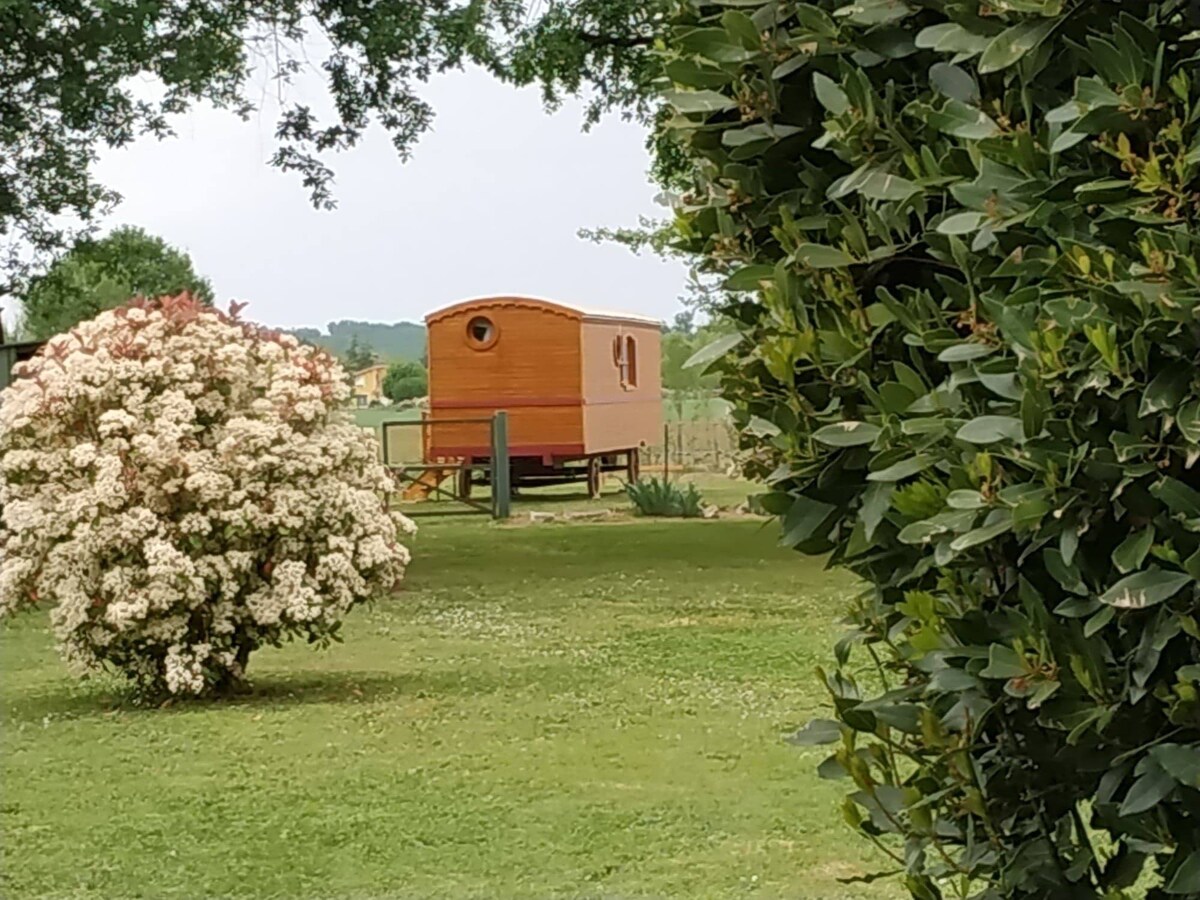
pixel 182 488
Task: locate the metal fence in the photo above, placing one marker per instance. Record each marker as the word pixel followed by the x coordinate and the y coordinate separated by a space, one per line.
pixel 700 445
pixel 406 451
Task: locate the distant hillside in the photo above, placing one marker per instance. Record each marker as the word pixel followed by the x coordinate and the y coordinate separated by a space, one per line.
pixel 398 341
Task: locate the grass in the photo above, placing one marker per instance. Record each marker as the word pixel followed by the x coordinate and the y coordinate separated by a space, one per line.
pixel 545 711
pixel 716 490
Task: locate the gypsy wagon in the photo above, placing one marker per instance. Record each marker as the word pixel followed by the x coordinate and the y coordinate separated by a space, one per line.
pixel 582 389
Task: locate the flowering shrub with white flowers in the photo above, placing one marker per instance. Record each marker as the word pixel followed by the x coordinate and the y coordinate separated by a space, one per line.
pixel 181 488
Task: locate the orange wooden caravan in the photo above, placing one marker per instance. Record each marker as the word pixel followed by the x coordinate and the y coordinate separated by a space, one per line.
pixel 578 386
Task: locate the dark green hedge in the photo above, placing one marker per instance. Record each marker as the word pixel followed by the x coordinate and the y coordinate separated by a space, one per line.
pixel 968 370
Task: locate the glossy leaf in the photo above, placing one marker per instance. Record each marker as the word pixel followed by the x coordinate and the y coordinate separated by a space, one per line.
pixel 875 12
pixel 906 468
pixel 1005 663
pixel 1147 588
pixel 960 120
pixel 1180 761
pixel 847 434
pixel 965 352
pixel 962 223
pixel 877 500
pixel 830 93
pixel 699 101
pixel 750 278
pixel 1148 791
pixel 817 732
pixel 981 535
pixel 991 430
pixel 803 520
pixel 951 37
pixel 1130 555
pixel 879 185
pixel 966 500
pixel 1186 879
pixel 821 257
pixel 1010 46
pixel 714 351
pixel 742 29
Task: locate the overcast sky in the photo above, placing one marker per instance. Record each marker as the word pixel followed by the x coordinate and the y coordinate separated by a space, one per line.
pixel 491 202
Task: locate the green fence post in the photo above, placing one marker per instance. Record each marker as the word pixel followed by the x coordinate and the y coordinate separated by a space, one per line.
pixel 501 473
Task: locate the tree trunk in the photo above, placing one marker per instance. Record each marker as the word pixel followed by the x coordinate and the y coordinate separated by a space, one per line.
pixel 233 681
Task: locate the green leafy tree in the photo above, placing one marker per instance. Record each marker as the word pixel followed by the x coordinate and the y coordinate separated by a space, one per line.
pixel 405 381
pixel 391 340
pixel 96 275
pixel 964 243
pixel 684 385
pixel 601 48
pixel 684 322
pixel 690 388
pixel 358 356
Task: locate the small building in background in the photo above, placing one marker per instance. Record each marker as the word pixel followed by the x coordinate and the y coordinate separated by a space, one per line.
pixel 368 385
pixel 13 353
pixel 579 386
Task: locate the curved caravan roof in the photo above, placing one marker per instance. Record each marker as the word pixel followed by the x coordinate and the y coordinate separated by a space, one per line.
pixel 566 309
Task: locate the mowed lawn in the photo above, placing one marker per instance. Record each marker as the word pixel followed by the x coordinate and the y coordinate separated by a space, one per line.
pixel 547 711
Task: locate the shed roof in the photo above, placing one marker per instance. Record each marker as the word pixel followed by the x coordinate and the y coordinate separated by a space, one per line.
pixel 579 312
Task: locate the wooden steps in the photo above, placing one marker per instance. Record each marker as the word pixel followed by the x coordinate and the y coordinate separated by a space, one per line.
pixel 423 486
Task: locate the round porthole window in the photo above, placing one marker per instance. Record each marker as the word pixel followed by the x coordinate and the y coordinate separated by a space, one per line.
pixel 481 332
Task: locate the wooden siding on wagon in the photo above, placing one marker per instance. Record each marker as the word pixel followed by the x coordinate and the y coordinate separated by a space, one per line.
pixel 553 369
pixel 619 416
pixel 533 372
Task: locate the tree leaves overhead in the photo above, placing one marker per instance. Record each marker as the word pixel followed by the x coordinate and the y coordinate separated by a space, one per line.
pixel 73 75
pixel 970 307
